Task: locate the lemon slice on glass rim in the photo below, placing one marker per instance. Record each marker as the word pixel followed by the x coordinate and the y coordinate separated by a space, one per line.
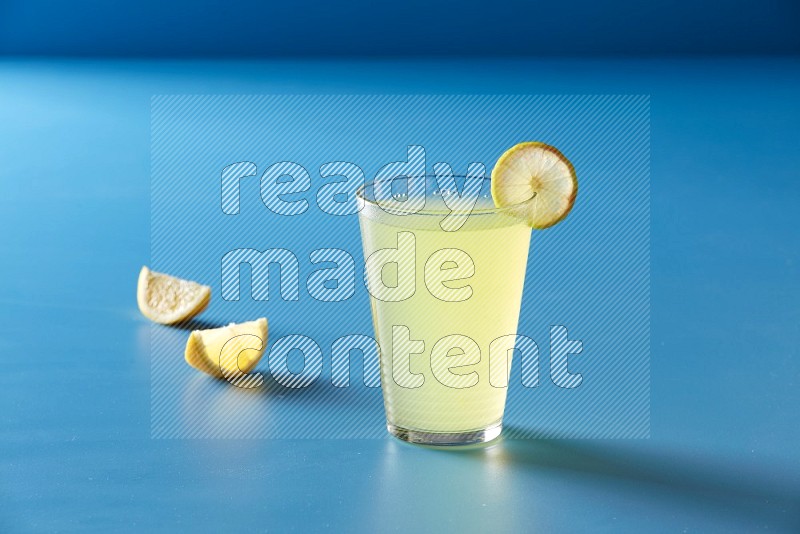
pixel 538 180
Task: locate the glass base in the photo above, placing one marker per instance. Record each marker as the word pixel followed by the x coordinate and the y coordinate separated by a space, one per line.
pixel 445 439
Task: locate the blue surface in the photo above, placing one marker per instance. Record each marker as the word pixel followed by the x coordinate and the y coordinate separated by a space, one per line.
pixel 253 28
pixel 76 452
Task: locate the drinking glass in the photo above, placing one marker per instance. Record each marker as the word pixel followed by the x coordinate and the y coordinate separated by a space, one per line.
pixel 445 285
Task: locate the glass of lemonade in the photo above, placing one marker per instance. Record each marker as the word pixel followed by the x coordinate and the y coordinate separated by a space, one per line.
pixel 441 299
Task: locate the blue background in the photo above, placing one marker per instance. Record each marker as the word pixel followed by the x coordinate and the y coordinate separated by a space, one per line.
pixel 75 446
pixel 253 28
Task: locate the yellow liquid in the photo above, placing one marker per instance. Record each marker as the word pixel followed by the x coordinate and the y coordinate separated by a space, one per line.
pixel 498 246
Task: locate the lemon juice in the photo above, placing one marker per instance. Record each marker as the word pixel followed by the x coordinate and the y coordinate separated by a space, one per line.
pixel 422 398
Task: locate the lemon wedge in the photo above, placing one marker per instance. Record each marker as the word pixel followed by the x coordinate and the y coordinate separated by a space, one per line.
pixel 538 173
pixel 227 352
pixel 166 299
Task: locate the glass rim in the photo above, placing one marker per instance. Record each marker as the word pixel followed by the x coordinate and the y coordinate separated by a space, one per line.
pixel 438 213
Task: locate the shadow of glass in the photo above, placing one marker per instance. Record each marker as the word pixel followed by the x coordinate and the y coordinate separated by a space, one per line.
pixel 706 483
